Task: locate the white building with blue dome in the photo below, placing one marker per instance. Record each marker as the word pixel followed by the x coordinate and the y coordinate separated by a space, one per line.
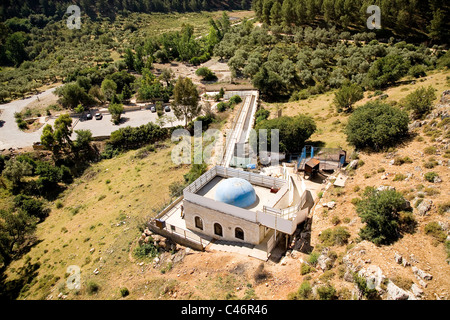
pixel 234 205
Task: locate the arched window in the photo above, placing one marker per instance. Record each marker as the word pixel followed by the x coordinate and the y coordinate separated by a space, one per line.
pixel 198 223
pixel 218 229
pixel 239 233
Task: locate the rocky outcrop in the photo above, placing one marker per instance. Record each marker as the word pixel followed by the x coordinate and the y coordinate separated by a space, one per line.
pixel 396 293
pixel 424 207
pixel 420 274
pixel 326 260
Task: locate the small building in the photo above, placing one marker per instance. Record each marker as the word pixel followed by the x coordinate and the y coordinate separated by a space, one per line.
pixel 234 205
pixel 312 167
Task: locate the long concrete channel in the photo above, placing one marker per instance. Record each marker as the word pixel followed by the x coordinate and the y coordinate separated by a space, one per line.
pixel 242 125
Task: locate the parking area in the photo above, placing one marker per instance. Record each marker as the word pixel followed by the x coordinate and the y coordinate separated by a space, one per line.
pixel 105 127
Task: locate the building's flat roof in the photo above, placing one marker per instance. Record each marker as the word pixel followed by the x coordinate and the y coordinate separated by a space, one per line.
pixel 263 195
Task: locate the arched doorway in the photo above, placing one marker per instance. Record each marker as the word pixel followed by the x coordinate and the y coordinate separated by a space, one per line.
pixel 218 231
pixel 198 223
pixel 239 233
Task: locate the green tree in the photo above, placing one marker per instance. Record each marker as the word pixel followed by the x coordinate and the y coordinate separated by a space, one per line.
pixel 379 210
pixel 58 139
pixel 15 48
pixel 116 110
pixel 293 131
pixel 71 95
pixel 387 70
pixel 15 170
pixel 206 73
pixel 436 28
pixel 376 125
pixel 129 59
pixel 63 130
pixel 83 140
pixel 420 101
pixel 186 100
pixel 275 14
pixel 15 228
pixel 346 96
pixel 109 89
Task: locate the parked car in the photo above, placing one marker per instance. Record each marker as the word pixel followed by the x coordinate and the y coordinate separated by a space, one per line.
pixel 98 116
pixel 153 109
pixel 167 109
pixel 89 116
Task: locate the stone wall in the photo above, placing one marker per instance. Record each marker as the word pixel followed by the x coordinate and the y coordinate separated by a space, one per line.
pixel 253 232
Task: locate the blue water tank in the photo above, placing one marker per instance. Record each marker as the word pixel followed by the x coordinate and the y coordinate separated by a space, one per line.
pixel 235 191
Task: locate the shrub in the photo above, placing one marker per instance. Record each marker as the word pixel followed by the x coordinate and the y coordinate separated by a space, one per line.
pixel 146 250
pixel 379 210
pixel 304 292
pixel 435 230
pixel 261 115
pixel 222 106
pixel 361 283
pixel 326 292
pixel 337 236
pixel 92 287
pixel 399 177
pixel 346 96
pixel 430 150
pixel 420 101
pixel 376 125
pixel 387 70
pixel 235 99
pixel 124 292
pixel 398 161
pixel 312 258
pixel 407 222
pixel 31 206
pixel 335 220
pixel 429 176
pixel 327 276
pixel 417 71
pixel 444 207
pixel 305 269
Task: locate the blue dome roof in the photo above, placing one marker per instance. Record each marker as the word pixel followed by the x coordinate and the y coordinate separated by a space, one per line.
pixel 235 191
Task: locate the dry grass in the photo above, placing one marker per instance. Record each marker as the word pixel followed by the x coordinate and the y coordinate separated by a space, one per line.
pixel 104 217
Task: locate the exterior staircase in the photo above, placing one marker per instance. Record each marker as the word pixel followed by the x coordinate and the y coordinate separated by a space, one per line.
pixel 238 247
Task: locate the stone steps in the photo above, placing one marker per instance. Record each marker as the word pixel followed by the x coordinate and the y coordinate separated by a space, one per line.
pixel 238 247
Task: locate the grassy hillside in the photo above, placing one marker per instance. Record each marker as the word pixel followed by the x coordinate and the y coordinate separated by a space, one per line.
pixel 331 124
pixel 102 211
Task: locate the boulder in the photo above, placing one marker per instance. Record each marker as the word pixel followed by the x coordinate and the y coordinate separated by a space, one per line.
pixel 329 205
pixel 398 258
pixel 437 180
pixel 424 207
pixel 416 290
pixel 396 293
pixel 324 262
pixel 421 274
pixel 374 276
pixel 353 164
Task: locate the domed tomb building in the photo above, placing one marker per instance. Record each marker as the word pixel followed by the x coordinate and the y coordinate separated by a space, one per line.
pixel 239 206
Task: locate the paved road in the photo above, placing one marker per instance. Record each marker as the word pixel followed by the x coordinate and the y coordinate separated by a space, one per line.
pixel 105 127
pixel 10 135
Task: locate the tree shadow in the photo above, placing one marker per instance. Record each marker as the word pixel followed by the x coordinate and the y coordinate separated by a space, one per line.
pixel 11 290
pixel 123 120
